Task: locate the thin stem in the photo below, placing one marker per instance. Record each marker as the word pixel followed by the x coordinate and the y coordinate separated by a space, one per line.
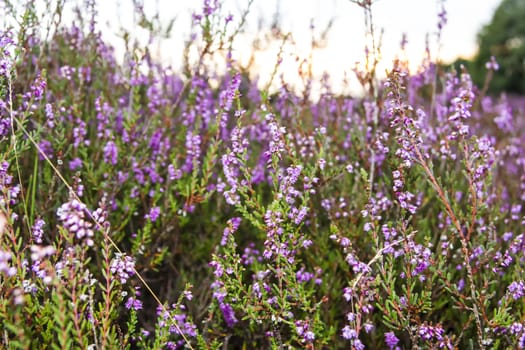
pixel 464 243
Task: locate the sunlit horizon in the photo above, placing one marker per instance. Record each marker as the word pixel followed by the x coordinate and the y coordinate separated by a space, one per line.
pixel 344 46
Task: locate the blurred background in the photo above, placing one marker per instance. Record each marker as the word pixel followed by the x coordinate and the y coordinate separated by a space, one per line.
pixel 330 37
pixel 337 27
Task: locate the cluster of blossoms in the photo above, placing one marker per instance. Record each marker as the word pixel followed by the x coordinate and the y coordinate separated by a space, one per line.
pixel 434 335
pixel 407 126
pixel 405 198
pixel 274 229
pixel 361 296
pixel 303 330
pixel 231 163
pixel 460 109
pixel 193 152
pixel 220 293
pixel 391 341
pixel 516 289
pixel 153 214
pixel 177 323
pixel 517 330
pixel 226 98
pixel 7 44
pixel 73 214
pixel 123 267
pixel 232 226
pixel 8 192
pixel 251 254
pixel 482 160
pixel 133 302
pixel 37 230
pixel 110 153
pixel 5 121
pixel 418 256
pixel 280 167
pixel 276 144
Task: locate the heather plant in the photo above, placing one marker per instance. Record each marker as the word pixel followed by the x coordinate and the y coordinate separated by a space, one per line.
pixel 145 208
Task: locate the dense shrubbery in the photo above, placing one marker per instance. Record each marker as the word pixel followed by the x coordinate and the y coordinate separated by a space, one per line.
pixel 140 208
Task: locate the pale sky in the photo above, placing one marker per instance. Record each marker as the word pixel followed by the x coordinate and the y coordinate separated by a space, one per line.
pixel 346 40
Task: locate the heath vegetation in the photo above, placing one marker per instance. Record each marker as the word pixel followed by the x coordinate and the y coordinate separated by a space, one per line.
pixel 147 208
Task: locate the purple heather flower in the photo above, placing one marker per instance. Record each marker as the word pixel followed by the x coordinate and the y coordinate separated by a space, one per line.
pixel 358 344
pixel 303 330
pixel 218 269
pixel 50 122
pixel 238 141
pixel 110 153
pixel 38 87
pixel 75 164
pixel 193 144
pixel 5 124
pixel 349 333
pixel 123 267
pixel 517 289
pixel 348 293
pixel 133 303
pixel 442 15
pixel 504 118
pixel 516 328
pixel 47 149
pixel 174 174
pixel 79 133
pixel 37 230
pixel 391 340
pixel 153 214
pixel 228 314
pixel 303 276
pixel 233 225
pixel 298 215
pixel 276 144
pixel 426 332
pixel 461 284
pixel 307 243
pixel 73 217
pixel 368 327
pixel 188 294
pixel 226 97
pixel 66 72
